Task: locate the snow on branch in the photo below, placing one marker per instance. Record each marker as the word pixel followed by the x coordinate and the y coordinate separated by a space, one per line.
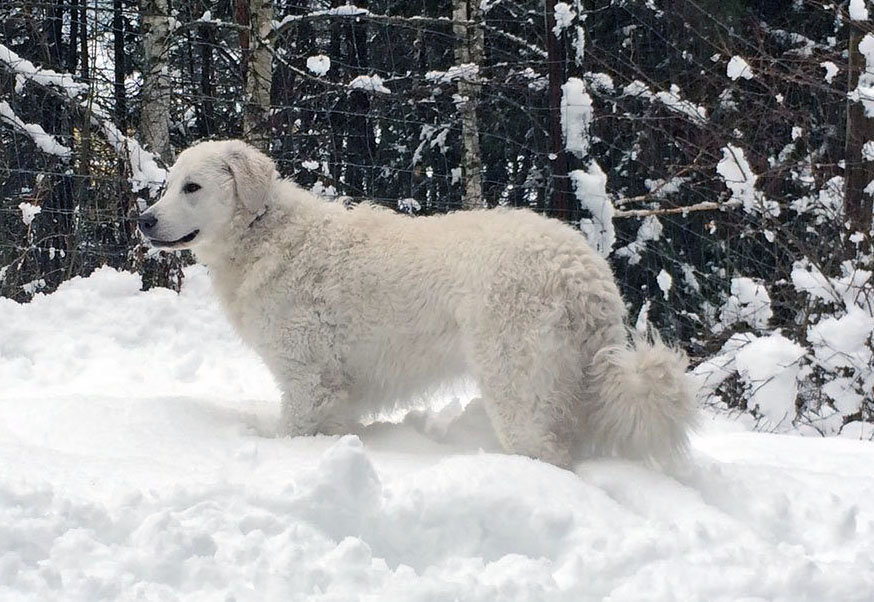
pixel 370 83
pixel 739 178
pixel 671 100
pixel 864 91
pixel 145 171
pixel 576 116
pixel 46 142
pixel 590 185
pixel 44 77
pixel 346 10
pixel 464 71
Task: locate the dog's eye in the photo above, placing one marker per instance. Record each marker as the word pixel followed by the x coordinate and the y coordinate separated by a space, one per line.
pixel 190 187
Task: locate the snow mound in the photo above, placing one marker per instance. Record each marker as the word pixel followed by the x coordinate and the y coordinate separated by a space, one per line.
pixel 138 464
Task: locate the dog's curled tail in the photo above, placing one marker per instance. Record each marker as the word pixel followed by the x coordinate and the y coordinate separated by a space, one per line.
pixel 644 407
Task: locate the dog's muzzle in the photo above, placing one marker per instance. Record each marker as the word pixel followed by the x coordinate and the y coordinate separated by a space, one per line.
pixel 147 223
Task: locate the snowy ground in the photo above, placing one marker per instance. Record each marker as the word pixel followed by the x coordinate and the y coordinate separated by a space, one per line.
pixel 134 465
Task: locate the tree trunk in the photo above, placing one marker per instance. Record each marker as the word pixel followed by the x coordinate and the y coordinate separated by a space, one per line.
pixel 556 59
pixel 860 129
pixel 259 74
pixel 359 134
pixel 155 114
pixel 76 14
pixel 120 62
pixel 241 16
pixel 206 108
pixel 84 60
pixel 469 50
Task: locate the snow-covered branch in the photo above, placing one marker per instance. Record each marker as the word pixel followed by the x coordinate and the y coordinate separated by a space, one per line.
pixel 45 141
pixel 671 100
pixel 145 171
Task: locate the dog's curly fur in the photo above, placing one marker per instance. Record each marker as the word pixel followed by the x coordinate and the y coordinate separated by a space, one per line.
pixel 356 310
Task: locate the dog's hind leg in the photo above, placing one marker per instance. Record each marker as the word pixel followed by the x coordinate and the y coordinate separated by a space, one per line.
pixel 528 372
pixel 524 426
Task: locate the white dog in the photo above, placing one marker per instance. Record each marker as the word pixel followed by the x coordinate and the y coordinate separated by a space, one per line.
pixel 357 310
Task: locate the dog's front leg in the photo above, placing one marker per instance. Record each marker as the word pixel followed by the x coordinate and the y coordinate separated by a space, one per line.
pixel 305 403
pixel 313 403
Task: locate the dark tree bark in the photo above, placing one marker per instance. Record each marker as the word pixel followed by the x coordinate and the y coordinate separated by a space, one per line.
pixel 118 31
pixel 556 58
pixel 241 16
pixel 359 136
pixel 84 59
pixel 860 129
pixel 76 14
pixel 206 108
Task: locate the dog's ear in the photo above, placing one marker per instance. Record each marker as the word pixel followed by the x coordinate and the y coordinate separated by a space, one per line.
pixel 253 173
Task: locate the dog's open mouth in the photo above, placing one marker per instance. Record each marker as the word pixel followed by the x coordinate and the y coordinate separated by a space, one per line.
pixel 167 244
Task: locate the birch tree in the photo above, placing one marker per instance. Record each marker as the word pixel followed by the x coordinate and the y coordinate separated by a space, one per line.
pixel 259 74
pixel 155 114
pixel 466 15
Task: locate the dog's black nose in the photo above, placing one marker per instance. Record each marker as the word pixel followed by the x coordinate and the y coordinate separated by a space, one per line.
pixel 147 221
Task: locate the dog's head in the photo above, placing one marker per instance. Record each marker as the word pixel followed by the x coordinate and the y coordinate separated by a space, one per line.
pixel 209 185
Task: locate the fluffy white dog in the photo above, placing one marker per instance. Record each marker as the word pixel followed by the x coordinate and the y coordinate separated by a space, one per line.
pixel 357 310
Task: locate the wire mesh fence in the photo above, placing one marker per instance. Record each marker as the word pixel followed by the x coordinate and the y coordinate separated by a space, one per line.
pixel 713 150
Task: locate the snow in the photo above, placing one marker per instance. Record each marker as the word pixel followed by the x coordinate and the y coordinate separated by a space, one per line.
pixel 564 17
pixel 409 205
pixel 464 71
pixel 641 324
pixel 868 151
pixel 46 77
pixel 739 178
pixel 858 10
pixel 671 99
pixel 749 303
pixel 809 279
pixel 576 116
pixel 842 342
pixel 46 142
pixel 840 338
pixel 831 70
pixel 145 172
pixel 137 464
pixel 864 91
pixel 319 64
pixel 590 186
pixel 665 282
pixel 600 82
pixel 650 229
pixel 371 83
pixel 738 67
pixel 346 10
pixel 769 366
pixel 28 212
pixel 827 205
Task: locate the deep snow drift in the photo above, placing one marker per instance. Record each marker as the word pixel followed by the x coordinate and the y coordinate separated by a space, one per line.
pixel 136 464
